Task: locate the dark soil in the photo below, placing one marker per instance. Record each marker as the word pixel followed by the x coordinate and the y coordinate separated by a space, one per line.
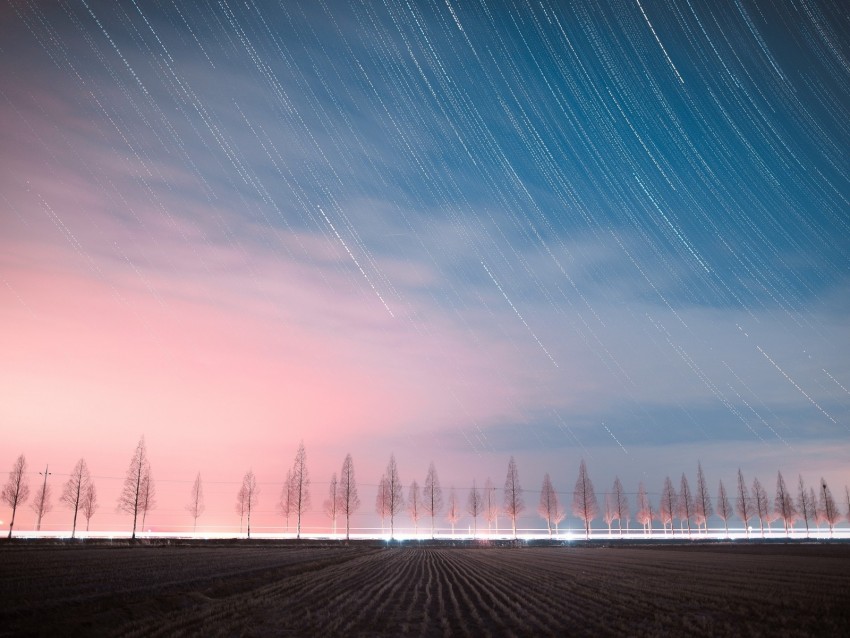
pixel 423 589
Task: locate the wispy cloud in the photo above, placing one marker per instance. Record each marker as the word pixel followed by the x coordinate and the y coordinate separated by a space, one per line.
pixel 365 229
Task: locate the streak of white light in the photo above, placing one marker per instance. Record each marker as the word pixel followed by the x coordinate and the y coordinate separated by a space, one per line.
pixel 794 383
pixel 658 40
pixel 510 303
pixel 354 259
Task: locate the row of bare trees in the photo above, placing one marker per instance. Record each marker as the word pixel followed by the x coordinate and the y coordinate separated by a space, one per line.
pixel 692 507
pixel 811 507
pixel 295 496
pixel 79 494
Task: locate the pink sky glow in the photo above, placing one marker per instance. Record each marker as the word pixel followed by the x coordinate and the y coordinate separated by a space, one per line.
pixel 219 232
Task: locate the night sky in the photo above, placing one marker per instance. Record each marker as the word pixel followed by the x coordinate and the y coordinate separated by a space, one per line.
pixel 452 231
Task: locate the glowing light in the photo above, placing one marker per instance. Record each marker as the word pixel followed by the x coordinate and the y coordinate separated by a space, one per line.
pixel 525 535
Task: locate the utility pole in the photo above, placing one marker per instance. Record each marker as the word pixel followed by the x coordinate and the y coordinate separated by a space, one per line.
pixel 43 497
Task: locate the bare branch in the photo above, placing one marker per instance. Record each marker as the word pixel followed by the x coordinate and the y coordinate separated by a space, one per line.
pixel 644 509
pixel 89 503
pixel 760 502
pixel 42 504
pixel 248 494
pixel 783 504
pixel 724 509
pixel 137 494
pixel 585 505
pixel 685 503
pixel 75 490
pixel 414 505
pixel 332 502
pixel 549 508
pixel 453 511
pixel 394 497
pixel 300 487
pixel 702 500
pixel 667 508
pixel 743 503
pixel 16 491
pixel 474 505
pixel 196 505
pixel 349 501
pixel 432 495
pixel 513 494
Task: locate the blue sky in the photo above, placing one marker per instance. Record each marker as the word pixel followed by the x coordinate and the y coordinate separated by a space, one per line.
pixel 456 230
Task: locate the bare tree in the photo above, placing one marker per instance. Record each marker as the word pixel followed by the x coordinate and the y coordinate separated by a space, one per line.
pixel 349 501
pixel 667 507
pixel 610 511
pixel 513 502
pixel 658 515
pixel 813 499
pixel 847 496
pixel 771 517
pixel 783 504
pixel 559 515
pixel 827 507
pixel 549 508
pixel 147 501
pixel 16 491
pixel 395 498
pixel 332 502
pixel 284 504
pixel 300 487
pixel 743 504
pixel 585 505
pixel 382 500
pixel 686 503
pixel 491 510
pixel 474 505
pixel 42 504
pixel 89 503
pixel 644 509
pixel 820 517
pixel 414 505
pixel 724 509
pixel 251 493
pixel 805 504
pixel 769 514
pixel 621 504
pixel 432 496
pixel 650 514
pixel 75 489
pixel 135 496
pixel 196 505
pixel 760 503
pixel 453 511
pixel 702 500
pixel 241 504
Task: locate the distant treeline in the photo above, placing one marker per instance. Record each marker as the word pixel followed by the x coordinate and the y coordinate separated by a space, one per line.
pixel 690 508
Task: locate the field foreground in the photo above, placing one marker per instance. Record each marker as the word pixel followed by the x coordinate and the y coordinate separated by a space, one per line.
pixel 371 589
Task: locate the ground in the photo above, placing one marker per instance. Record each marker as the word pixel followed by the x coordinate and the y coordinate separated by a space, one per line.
pixel 371 588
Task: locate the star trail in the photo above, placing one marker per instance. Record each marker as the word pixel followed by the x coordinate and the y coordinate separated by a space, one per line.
pixel 616 230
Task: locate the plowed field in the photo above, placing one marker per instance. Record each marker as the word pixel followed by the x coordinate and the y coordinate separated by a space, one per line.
pixel 369 589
